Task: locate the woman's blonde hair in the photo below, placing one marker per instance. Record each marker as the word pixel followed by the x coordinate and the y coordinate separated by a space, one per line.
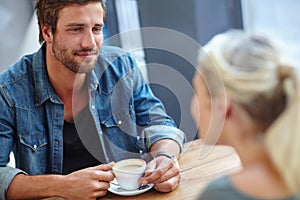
pixel 254 73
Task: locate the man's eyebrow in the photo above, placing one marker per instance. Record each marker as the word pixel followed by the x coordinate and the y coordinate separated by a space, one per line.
pixel 81 24
pixel 99 24
pixel 75 24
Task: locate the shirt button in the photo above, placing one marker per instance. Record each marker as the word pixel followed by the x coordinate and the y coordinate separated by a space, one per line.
pixel 35 146
pixel 119 122
pixel 93 107
pixel 56 142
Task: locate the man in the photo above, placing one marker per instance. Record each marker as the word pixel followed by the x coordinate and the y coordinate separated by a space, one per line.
pixel 45 97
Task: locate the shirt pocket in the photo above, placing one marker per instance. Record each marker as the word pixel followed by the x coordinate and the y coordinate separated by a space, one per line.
pixel 33 153
pixel 34 141
pixel 121 120
pixel 121 130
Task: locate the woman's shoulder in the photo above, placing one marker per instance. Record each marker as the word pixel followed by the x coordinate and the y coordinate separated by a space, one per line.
pixel 223 188
pixel 220 188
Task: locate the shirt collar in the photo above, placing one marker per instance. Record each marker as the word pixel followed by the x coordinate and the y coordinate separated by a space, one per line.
pixel 43 87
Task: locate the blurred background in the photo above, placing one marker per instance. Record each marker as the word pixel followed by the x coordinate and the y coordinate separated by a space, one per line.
pixel 185 25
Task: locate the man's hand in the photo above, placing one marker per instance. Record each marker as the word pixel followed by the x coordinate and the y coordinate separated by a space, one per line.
pixel 163 172
pixel 88 183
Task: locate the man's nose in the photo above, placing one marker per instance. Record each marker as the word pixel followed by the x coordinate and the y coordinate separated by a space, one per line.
pixel 88 40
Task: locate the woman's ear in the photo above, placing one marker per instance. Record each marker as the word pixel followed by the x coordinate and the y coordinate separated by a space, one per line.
pixel 47 33
pixel 228 108
pixel 224 105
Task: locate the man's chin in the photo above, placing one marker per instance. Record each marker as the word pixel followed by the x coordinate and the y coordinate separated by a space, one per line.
pixel 85 70
pixel 86 66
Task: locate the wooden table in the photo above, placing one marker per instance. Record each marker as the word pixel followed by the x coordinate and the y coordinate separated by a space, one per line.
pixel 196 172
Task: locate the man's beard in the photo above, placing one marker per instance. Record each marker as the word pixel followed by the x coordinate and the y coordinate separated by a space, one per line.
pixel 67 58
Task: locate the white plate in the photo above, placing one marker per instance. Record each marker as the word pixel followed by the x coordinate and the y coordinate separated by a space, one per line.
pixel 116 189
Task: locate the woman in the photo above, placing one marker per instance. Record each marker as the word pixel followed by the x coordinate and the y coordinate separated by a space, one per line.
pixel 246 97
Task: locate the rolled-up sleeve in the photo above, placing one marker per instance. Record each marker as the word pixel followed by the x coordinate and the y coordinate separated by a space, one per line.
pixel 155 133
pixel 6 176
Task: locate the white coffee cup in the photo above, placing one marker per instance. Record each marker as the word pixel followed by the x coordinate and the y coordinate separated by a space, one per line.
pixel 128 172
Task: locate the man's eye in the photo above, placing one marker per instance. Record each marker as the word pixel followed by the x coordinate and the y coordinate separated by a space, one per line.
pixel 74 29
pixel 97 30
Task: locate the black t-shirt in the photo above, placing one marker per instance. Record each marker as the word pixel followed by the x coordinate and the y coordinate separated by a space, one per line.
pixel 80 140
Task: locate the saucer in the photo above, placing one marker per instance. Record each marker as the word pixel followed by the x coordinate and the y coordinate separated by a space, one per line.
pixel 116 189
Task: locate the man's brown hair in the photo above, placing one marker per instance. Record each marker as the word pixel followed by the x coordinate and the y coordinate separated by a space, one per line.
pixel 47 12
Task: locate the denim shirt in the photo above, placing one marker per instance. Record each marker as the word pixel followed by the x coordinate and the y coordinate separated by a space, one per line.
pixel 128 117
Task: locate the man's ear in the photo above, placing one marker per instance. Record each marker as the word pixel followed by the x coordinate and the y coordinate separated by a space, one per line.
pixel 47 33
